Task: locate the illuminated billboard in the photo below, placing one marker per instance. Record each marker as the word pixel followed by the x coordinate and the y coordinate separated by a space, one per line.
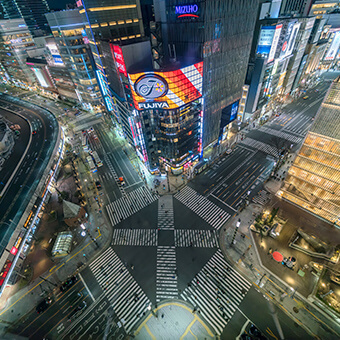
pixel 117 54
pixel 166 90
pixel 331 53
pixel 291 34
pixel 265 40
pixel 55 53
pixel 273 48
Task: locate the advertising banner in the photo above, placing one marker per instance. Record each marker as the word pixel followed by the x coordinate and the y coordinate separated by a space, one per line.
pixel 166 90
pixel 265 40
pixel 333 49
pixel 117 54
pixel 292 38
pixel 276 37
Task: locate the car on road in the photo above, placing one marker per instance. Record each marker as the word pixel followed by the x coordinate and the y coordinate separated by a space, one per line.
pixel 98 185
pixel 305 97
pixel 77 311
pixel 121 181
pixel 43 305
pixel 34 132
pixel 229 151
pixel 68 283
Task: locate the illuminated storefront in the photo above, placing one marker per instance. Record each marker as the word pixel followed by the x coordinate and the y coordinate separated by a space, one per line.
pixel 313 181
pixel 168 116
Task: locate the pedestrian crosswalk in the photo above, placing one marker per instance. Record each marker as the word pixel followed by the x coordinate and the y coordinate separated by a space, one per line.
pixel 125 295
pixel 135 237
pixel 196 238
pixel 203 207
pixel 260 146
pixel 281 134
pixel 165 212
pixel 261 198
pixel 216 292
pixel 166 275
pixel 129 204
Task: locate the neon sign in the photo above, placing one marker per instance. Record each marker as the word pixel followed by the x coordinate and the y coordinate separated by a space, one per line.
pixel 184 11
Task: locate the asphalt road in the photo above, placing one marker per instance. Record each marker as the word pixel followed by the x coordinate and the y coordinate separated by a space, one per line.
pixel 27 177
pixel 57 318
pixel 255 308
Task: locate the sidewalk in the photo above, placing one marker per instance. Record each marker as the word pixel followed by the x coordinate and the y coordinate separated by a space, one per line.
pixel 245 255
pixel 173 319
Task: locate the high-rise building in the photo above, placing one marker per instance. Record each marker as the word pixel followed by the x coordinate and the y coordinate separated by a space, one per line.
pixel 72 49
pixel 313 180
pixel 32 11
pixel 193 62
pixel 15 43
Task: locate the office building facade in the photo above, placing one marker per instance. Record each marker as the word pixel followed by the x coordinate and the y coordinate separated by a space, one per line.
pixel 32 11
pixel 198 52
pixel 72 50
pixel 15 43
pixel 313 180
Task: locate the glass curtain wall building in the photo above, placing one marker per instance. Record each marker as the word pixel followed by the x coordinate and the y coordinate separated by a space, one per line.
pixel 15 42
pixel 32 11
pixel 117 21
pixel 313 180
pixel 70 37
pixel 220 33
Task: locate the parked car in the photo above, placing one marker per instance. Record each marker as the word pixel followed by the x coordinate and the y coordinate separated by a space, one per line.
pixel 68 283
pixel 305 97
pixel 43 305
pixel 229 151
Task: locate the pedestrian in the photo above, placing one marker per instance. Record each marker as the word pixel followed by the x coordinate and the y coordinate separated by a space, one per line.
pixel 162 316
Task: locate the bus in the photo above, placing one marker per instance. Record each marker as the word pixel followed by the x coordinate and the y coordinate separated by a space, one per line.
pixel 84 143
pixel 97 160
pixel 91 164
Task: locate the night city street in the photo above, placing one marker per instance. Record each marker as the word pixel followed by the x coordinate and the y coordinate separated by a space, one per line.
pixel 169 169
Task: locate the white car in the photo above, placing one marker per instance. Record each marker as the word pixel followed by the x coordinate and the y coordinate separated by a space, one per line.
pixel 229 151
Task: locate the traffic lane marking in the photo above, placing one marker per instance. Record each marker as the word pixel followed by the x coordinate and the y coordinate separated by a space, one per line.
pixel 39 283
pixel 248 186
pixel 236 179
pixel 241 184
pixel 53 304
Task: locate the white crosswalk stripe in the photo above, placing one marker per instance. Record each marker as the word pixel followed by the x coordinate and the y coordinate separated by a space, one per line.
pixel 261 198
pixel 129 204
pixel 281 134
pixel 165 212
pixel 196 238
pixel 135 237
pixel 203 207
pixel 166 276
pixel 260 146
pixel 216 291
pixel 125 295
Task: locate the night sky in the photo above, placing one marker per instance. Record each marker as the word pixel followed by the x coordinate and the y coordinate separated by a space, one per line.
pixel 59 4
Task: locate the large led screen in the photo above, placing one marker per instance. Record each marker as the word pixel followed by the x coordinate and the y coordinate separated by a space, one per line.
pixel 167 90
